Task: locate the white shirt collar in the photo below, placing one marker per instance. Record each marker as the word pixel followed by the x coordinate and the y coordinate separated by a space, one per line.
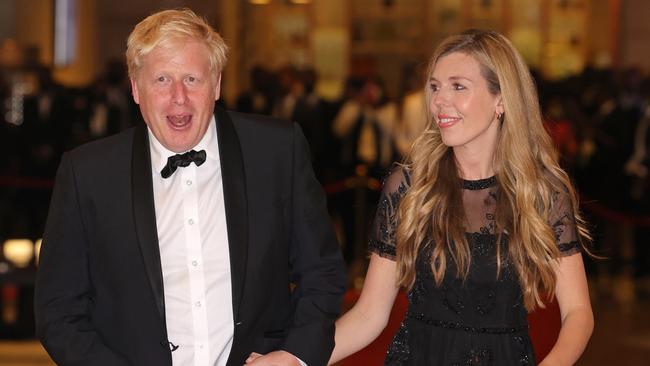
pixel 208 142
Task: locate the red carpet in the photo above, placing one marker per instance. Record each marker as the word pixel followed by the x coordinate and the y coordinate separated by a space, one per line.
pixel 544 328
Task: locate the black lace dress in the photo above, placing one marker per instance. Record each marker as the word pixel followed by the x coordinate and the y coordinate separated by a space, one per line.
pixel 479 322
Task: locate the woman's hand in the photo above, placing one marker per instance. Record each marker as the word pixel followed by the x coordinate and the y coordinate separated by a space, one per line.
pixel 275 358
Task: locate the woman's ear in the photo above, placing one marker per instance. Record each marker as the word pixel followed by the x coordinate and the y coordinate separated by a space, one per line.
pixel 499 107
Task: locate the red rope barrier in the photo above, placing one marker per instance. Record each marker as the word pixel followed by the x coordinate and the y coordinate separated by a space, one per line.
pixel 589 204
pixel 351 183
pixel 370 183
pixel 25 182
pixel 613 215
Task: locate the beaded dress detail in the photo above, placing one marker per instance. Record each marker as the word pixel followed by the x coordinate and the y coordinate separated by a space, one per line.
pixel 479 321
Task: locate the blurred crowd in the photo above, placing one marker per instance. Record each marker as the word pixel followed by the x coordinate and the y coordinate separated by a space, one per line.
pixel 598 119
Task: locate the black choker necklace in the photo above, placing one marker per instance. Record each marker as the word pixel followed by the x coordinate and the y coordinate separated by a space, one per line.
pixel 475 185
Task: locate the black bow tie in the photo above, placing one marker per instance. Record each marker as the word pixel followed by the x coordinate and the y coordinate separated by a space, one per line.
pixel 173 162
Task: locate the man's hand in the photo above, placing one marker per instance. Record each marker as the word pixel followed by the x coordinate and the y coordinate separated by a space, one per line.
pixel 276 358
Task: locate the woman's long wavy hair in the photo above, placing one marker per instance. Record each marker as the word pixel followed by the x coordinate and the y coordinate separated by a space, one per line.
pixel 527 171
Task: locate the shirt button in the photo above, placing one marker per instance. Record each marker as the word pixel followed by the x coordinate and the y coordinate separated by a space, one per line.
pixel 195 263
pixel 197 304
pixel 188 182
pixel 190 221
pixel 200 345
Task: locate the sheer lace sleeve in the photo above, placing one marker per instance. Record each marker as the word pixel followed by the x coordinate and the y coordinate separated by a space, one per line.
pixel 382 232
pixel 564 224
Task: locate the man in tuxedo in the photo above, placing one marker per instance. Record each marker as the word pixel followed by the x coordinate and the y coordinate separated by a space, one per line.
pixel 195 239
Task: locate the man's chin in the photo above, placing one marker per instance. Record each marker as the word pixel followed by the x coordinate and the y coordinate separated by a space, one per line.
pixel 178 147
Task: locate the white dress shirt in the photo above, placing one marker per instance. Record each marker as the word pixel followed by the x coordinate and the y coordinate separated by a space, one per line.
pixel 193 240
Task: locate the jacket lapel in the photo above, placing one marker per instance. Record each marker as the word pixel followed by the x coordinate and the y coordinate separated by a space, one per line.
pixel 144 214
pixel 235 201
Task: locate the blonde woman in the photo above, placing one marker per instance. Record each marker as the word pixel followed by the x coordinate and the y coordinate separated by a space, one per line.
pixel 480 226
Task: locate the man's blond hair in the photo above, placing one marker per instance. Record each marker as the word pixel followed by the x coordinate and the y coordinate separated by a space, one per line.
pixel 167 27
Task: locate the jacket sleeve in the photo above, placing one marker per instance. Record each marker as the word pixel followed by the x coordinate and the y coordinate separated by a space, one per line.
pixel 64 292
pixel 318 270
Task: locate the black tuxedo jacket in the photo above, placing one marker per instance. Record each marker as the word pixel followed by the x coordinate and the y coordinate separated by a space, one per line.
pixel 99 290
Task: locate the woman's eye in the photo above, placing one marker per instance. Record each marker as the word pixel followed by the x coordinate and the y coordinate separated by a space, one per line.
pixel 434 87
pixel 458 87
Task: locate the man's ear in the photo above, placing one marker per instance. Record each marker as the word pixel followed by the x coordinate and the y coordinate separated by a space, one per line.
pixel 134 91
pixel 217 91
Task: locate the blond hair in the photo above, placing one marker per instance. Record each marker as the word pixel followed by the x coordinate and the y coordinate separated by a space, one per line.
pixel 527 171
pixel 169 26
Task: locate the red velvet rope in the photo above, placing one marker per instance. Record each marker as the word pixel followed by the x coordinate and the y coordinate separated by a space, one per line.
pixel 350 183
pixel 25 182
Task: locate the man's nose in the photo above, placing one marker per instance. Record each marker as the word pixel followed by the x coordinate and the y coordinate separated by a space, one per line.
pixel 179 94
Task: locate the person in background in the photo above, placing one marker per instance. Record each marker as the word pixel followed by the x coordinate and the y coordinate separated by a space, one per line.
pixel 309 113
pixel 365 125
pixel 259 99
pixel 413 116
pixel 637 167
pixel 289 90
pixel 195 239
pixel 480 225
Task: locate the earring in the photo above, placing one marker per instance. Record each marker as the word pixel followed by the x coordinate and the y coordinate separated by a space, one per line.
pixel 499 115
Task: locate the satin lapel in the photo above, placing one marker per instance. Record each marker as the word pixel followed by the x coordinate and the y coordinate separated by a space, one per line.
pixel 236 203
pixel 144 214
